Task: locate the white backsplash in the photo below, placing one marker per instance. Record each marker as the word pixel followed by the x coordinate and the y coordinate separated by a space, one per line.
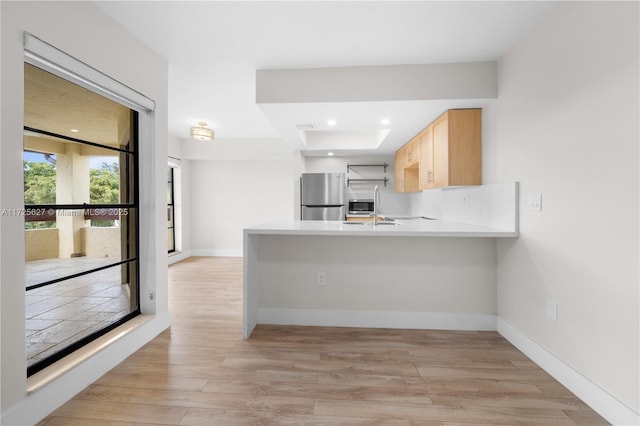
pixel 493 205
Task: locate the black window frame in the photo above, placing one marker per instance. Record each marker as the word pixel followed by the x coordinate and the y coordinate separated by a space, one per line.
pixel 131 261
pixel 171 209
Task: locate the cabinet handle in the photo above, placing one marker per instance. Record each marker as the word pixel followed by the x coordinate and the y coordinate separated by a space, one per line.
pixel 429 176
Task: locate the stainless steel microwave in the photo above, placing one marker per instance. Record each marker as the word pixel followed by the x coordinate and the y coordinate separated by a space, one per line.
pixel 361 206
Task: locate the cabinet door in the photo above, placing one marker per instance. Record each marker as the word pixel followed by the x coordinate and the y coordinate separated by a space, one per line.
pixel 412 152
pixel 465 147
pixel 441 153
pixel 426 158
pixel 411 178
pixel 399 170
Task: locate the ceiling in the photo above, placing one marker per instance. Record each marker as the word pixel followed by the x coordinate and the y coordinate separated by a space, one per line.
pixel 53 104
pixel 214 49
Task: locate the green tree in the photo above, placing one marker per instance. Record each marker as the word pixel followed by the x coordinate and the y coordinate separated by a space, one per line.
pixel 39 188
pixel 104 188
pixel 39 182
pixel 104 184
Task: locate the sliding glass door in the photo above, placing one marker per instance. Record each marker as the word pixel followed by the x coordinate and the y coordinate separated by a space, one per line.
pixel 81 216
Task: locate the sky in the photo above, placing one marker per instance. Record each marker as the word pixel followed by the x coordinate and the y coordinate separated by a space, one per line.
pixel 94 162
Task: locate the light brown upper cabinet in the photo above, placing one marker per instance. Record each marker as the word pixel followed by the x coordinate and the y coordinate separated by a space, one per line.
pixel 412 151
pixel 457 148
pixel 426 158
pixel 412 166
pixel 399 169
pixel 448 152
pixel 407 167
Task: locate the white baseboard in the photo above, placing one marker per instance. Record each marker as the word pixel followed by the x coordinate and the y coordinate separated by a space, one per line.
pixel 40 403
pixel 377 319
pixel 593 395
pixel 217 252
pixel 177 257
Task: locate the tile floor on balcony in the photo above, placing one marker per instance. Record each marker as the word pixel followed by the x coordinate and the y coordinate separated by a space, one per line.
pixel 62 313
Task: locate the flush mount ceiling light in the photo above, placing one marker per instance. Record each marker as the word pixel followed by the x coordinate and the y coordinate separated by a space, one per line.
pixel 202 133
pixel 385 121
pixel 331 122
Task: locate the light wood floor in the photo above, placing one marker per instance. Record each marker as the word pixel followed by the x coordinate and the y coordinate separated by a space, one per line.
pixel 201 372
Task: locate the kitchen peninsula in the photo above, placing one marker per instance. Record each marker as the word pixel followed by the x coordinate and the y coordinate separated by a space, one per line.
pixel 418 273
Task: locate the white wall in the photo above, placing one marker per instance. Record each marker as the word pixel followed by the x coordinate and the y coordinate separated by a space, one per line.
pixel 187 239
pixel 228 196
pixel 403 282
pixel 174 148
pixel 182 201
pixel 235 184
pixel 72 26
pixel 566 125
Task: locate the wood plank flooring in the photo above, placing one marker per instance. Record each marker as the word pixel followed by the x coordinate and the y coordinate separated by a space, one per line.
pixel 201 372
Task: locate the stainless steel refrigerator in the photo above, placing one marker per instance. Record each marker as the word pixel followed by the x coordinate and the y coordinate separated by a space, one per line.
pixel 322 196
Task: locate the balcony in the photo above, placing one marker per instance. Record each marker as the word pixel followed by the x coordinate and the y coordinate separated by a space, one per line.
pixel 61 313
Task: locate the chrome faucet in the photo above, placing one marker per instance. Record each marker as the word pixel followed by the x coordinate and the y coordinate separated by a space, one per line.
pixel 376 200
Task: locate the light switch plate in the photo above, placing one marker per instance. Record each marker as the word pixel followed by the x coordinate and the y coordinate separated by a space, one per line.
pixel 321 279
pixel 534 202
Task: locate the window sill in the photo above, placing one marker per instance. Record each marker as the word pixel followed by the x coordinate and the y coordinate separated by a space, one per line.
pixel 59 368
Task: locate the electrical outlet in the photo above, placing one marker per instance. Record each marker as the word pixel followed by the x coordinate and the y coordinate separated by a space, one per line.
pixel 552 309
pixel 534 202
pixel 321 278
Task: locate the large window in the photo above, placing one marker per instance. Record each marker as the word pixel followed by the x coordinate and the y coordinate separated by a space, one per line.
pixel 81 216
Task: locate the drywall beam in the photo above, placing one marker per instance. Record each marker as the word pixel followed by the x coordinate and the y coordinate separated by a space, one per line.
pixel 468 80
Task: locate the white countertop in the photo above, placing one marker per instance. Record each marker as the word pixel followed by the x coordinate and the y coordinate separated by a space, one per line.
pixel 406 228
